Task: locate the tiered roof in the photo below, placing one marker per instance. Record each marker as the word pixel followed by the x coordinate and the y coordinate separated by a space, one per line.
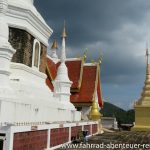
pixel 85 78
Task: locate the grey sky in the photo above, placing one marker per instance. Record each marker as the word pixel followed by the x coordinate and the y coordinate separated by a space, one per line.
pixel 120 28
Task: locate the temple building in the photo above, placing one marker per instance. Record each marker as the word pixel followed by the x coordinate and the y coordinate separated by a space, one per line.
pixel 44 100
pixel 86 88
pixel 142 106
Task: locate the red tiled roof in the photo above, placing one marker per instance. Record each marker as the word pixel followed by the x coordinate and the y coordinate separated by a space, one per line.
pixel 85 78
pixel 74 71
pixel 87 87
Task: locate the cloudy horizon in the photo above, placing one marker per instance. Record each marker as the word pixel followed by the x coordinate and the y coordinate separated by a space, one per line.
pixel 118 29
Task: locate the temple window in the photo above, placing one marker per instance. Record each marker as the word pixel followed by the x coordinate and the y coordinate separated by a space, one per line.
pixel 36 54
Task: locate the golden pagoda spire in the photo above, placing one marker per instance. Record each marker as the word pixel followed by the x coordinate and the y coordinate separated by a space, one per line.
pixel 94 113
pixel 147 63
pixel 54 45
pixel 142 106
pixel 64 35
pixel 145 96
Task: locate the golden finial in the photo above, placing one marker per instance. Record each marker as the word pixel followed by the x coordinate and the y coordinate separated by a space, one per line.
pixel 54 45
pixel 85 54
pixel 147 54
pixel 100 58
pixel 64 35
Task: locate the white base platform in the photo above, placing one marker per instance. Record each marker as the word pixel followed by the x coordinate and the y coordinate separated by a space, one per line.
pixel 32 100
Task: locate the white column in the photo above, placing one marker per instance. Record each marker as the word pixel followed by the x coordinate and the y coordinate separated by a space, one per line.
pixel 69 133
pixel 82 127
pixel 9 139
pixel 48 138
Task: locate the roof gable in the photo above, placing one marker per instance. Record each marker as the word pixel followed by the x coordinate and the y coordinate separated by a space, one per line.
pixel 85 78
pixel 87 87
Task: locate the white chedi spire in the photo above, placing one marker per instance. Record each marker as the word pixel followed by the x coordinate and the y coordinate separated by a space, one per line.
pixel 62 84
pixel 63 52
pixel 62 73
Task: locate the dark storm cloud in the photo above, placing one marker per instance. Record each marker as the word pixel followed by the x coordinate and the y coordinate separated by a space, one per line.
pixel 119 27
pixel 89 20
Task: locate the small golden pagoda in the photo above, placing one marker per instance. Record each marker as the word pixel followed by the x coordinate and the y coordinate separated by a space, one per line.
pixel 142 106
pixel 94 113
pixel 54 45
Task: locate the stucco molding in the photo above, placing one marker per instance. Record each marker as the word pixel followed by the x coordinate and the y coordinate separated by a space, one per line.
pixel 30 20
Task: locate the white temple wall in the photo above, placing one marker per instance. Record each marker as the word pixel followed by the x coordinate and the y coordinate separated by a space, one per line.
pixel 33 101
pixel 24 113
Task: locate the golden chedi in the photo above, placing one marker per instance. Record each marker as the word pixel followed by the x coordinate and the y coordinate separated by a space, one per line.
pixel 94 113
pixel 142 106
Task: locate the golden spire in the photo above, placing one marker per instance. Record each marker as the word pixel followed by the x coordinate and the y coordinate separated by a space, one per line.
pixel 54 45
pixel 64 35
pixel 94 113
pixel 147 55
pixel 147 65
pixel 145 96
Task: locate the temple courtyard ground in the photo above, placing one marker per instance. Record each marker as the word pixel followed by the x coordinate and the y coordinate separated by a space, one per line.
pixel 126 140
